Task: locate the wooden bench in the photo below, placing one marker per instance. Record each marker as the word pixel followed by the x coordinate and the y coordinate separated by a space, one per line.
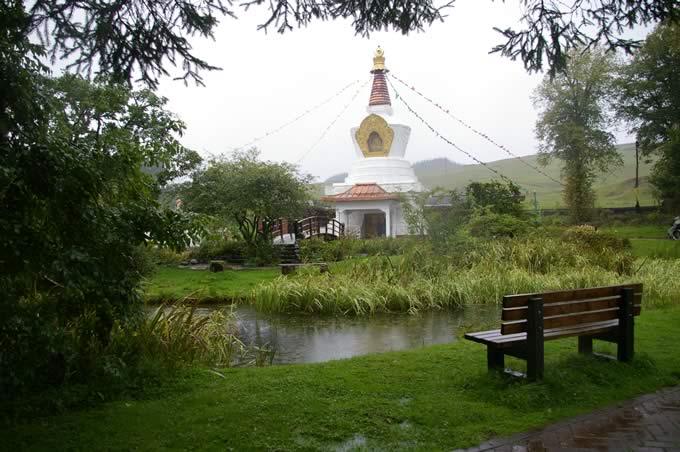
pixel 288 269
pixel 528 320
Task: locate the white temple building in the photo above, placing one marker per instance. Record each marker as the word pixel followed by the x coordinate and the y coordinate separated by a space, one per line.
pixel 368 202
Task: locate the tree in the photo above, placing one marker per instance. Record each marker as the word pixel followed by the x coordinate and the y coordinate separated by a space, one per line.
pixel 248 192
pixel 76 208
pixel 500 198
pixel 132 38
pixel 553 29
pixel 414 207
pixel 572 126
pixel 438 213
pixel 649 99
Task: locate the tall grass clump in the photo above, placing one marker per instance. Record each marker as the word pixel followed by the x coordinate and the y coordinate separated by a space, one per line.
pixel 482 272
pixel 660 280
pixel 142 354
pixel 175 335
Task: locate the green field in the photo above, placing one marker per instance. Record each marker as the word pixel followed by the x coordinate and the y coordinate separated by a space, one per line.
pixel 638 231
pixel 172 283
pixel 614 189
pixel 434 398
pixel 651 248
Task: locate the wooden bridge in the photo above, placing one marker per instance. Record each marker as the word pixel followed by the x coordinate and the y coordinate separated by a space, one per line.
pixel 290 231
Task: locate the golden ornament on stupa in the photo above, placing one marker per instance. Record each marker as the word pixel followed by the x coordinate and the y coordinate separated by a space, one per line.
pixel 374 136
pixel 379 60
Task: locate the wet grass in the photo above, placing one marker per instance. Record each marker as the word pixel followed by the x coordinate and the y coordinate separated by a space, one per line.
pixel 171 283
pixel 637 231
pixel 656 249
pixel 435 398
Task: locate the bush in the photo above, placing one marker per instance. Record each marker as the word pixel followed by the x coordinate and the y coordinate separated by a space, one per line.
pixel 316 250
pixel 543 255
pixel 498 197
pixel 228 250
pixel 487 224
pixel 263 254
pixel 166 256
pixel 33 346
pixel 590 237
pixel 144 260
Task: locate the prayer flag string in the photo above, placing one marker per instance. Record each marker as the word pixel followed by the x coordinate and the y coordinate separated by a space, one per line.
pixel 443 138
pixel 477 132
pixel 297 118
pixel 323 134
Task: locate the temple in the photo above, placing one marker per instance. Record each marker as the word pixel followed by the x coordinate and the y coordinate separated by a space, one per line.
pixel 369 201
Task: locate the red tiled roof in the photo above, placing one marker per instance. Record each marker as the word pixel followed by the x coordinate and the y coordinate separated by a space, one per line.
pixel 379 93
pixel 362 192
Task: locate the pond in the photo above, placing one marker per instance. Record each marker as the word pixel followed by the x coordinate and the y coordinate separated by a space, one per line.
pixel 309 339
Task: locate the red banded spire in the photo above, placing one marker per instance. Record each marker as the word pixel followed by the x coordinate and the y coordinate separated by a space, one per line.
pixel 380 95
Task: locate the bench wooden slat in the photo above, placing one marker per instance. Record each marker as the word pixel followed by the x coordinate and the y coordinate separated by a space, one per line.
pixel 568 307
pixel 561 321
pixel 515 301
pixel 508 340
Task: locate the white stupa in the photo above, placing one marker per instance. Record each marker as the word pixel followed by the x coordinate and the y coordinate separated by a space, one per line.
pixel 368 202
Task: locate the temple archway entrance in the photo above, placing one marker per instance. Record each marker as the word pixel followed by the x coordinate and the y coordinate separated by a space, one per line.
pixel 373 225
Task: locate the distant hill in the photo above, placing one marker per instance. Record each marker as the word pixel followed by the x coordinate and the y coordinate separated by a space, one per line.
pixel 439 165
pixel 614 189
pixel 336 178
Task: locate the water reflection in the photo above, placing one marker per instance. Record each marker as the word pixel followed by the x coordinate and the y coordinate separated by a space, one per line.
pixel 308 339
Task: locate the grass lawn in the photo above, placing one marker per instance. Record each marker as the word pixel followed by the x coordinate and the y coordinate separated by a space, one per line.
pixel 662 248
pixel 434 398
pixel 638 231
pixel 171 283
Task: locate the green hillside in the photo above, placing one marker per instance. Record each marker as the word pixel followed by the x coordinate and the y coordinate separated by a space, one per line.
pixel 614 189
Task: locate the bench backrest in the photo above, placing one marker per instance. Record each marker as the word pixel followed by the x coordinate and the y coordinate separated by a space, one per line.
pixel 568 308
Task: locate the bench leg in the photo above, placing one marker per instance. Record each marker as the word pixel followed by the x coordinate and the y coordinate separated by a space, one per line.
pixel 585 345
pixel 626 339
pixel 535 363
pixel 495 359
pixel 535 353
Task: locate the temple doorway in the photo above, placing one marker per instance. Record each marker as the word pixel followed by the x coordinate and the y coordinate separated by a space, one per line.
pixel 373 225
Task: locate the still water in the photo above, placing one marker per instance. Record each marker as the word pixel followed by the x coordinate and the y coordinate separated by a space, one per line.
pixel 308 339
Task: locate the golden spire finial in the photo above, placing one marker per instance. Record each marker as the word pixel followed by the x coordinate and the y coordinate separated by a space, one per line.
pixel 379 60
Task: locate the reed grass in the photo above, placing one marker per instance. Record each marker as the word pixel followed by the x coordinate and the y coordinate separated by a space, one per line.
pixel 422 280
pixel 177 335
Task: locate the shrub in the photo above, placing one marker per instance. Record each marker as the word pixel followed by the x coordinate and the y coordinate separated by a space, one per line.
pixel 501 198
pixel 487 224
pixel 590 237
pixel 165 256
pixel 229 250
pixel 315 249
pixel 263 253
pixel 33 346
pixel 143 260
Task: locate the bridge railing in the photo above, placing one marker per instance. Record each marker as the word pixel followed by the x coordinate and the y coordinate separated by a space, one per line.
pixel 308 227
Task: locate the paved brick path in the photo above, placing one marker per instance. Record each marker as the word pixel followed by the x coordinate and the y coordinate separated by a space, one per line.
pixel 648 423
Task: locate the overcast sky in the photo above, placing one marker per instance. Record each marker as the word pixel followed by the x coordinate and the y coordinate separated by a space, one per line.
pixel 268 79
